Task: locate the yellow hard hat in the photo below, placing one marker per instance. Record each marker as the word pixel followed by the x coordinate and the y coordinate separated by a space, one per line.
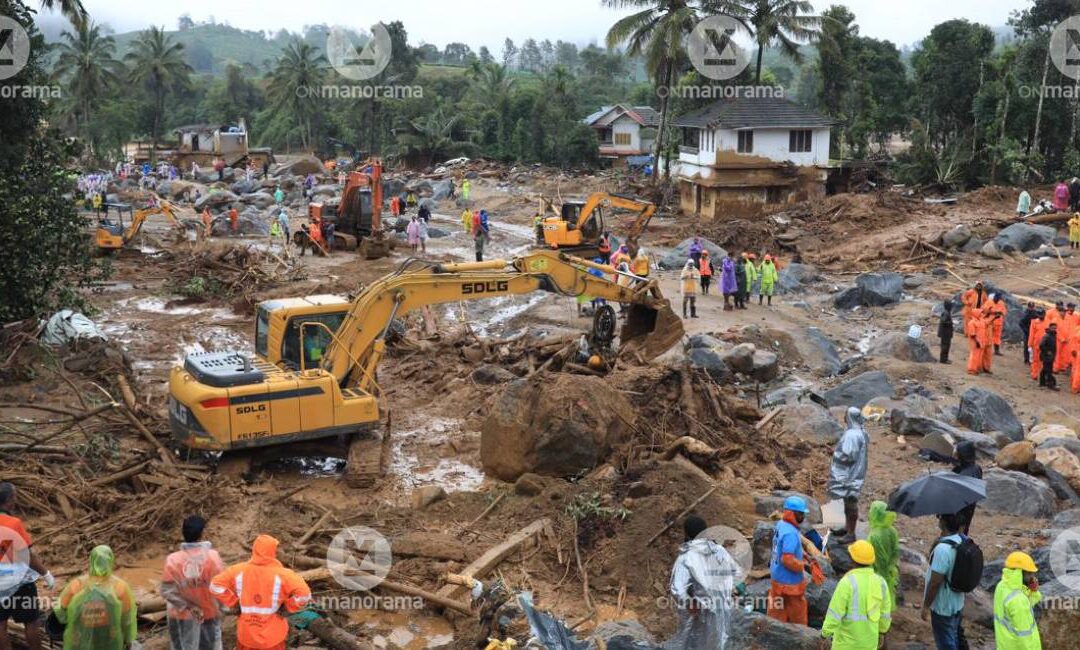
pixel 1022 561
pixel 862 552
pixel 596 362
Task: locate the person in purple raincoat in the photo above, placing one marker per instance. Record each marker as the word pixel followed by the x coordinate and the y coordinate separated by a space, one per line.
pixel 695 251
pixel 728 284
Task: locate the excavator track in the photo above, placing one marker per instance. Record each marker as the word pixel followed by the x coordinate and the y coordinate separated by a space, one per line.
pixel 367 459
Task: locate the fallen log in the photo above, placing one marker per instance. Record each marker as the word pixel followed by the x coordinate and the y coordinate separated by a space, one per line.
pixel 494 556
pixel 334 637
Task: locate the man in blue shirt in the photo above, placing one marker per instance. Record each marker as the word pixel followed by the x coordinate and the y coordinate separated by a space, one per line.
pixel 941 605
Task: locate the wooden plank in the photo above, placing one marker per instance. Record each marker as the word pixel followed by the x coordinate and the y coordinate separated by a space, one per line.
pixel 494 556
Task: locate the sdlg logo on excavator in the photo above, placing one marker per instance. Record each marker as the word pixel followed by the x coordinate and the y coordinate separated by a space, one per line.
pixel 491 286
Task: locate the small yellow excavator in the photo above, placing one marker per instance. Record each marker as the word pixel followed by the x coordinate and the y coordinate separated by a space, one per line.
pixel 577 226
pixel 113 235
pixel 323 388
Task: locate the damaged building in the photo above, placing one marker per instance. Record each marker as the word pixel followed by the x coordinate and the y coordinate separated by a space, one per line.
pixel 739 155
pixel 626 134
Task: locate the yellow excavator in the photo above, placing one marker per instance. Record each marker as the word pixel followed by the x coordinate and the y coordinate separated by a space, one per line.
pixel 230 402
pixel 577 226
pixel 113 234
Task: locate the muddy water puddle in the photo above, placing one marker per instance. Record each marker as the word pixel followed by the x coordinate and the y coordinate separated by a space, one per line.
pixel 413 460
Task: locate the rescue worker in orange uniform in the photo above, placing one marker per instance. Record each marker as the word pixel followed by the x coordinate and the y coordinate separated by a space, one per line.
pixel 973 300
pixel 997 306
pixel 787 567
pixel 261 587
pixel 1066 332
pixel 988 324
pixel 1074 357
pixel 975 329
pixel 1035 335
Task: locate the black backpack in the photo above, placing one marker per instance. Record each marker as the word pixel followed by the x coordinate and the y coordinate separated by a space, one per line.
pixel 967 568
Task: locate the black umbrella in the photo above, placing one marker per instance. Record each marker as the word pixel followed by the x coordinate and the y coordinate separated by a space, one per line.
pixel 939 493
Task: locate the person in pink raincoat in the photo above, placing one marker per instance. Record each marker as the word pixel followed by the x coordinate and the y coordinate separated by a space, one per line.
pixel 413 232
pixel 1061 196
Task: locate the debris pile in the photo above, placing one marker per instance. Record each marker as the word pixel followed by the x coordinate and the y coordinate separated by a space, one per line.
pixel 232 272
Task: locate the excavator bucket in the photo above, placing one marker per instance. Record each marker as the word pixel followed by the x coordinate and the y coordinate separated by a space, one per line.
pixel 647 333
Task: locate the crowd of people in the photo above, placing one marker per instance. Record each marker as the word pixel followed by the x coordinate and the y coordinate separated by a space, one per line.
pixel 706 581
pixel 97 610
pixel 1051 344
pixel 740 279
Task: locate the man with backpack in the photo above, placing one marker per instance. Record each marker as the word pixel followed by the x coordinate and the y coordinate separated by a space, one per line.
pixel 956 565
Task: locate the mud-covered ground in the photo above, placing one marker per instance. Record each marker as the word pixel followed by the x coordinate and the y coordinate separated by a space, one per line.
pixel 437 414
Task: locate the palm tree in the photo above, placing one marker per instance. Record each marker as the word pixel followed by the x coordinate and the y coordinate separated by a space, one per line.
pixel 431 138
pixel 787 22
pixel 71 9
pixel 86 65
pixel 157 64
pixel 300 70
pixel 658 30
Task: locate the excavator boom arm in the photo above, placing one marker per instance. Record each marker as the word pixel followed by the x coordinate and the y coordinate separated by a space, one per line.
pixel 645 209
pixel 365 326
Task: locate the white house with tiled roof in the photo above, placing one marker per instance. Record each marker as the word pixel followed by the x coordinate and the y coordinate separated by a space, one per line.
pixel 739 155
pixel 624 131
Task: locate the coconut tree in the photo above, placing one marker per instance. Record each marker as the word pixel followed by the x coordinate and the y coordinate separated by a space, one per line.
pixel 658 30
pixel 71 9
pixel 299 71
pixel 787 23
pixel 86 65
pixel 157 64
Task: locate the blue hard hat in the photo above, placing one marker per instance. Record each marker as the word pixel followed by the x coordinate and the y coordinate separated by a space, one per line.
pixel 796 504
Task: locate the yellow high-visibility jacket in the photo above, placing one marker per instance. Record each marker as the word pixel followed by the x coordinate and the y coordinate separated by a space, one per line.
pixel 859 611
pixel 1014 618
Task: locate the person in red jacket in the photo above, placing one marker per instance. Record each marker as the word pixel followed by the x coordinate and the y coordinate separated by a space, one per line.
pixel 261 587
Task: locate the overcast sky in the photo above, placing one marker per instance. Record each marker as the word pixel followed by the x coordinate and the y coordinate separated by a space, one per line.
pixel 488 22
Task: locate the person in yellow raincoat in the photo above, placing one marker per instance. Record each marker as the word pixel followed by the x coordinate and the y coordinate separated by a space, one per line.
pixel 1014 600
pixel 860 609
pixel 97 609
pixel 1074 231
pixel 886 542
pixel 466 220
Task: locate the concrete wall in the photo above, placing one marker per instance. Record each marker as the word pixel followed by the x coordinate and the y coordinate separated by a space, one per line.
pixel 750 193
pixel 772 144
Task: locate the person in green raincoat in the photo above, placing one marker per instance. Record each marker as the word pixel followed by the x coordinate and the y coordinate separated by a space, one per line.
pixel 97 609
pixel 769 277
pixel 886 542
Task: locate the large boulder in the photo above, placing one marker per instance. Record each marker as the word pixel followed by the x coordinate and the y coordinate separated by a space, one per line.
pixel 907 424
pixel 811 422
pixel 300 167
pixel 740 358
pixel 330 189
pixel 706 341
pixel 676 257
pixel 1058 415
pixel 756 631
pixel 1023 237
pixel 442 189
pixel 215 198
pixel 625 633
pixel 1063 462
pixel 1040 433
pixel 765 366
pixel 982 410
pixel 956 237
pixel 860 390
pixel 899 345
pixel 261 200
pixel 1016 456
pixel 709 360
pixel 561 426
pixel 1016 493
pixel 822 354
pixel 794 277
pixel 872 290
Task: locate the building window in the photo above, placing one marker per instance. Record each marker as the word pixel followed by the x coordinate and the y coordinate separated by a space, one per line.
pixel 622 139
pixel 746 142
pixel 690 137
pixel 801 141
pixel 604 135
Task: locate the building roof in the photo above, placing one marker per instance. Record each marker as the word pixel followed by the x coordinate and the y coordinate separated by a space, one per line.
pixel 198 128
pixel 750 113
pixel 643 115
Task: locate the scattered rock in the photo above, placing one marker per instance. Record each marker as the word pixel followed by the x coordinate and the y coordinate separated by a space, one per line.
pixel 899 345
pixel 706 341
pixel 811 422
pixel 300 167
pixel 530 429
pixel 1018 494
pixel 1040 433
pixel 740 358
pixel 823 355
pixel 424 496
pixel 489 375
pixel 982 410
pixel 872 290
pixel 1063 462
pixel 1023 237
pixel 529 485
pixel 216 198
pixel 1058 415
pixel 756 631
pixel 860 390
pixel 625 633
pixel 1072 444
pixel 793 277
pixel 765 366
pixel 711 362
pixel 973 245
pixel 984 444
pixel 1016 456
pixel 1066 519
pixel 956 237
pixel 937 446
pixel 991 250
pixel 908 424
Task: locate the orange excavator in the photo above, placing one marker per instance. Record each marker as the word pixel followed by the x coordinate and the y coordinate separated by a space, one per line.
pixel 358 217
